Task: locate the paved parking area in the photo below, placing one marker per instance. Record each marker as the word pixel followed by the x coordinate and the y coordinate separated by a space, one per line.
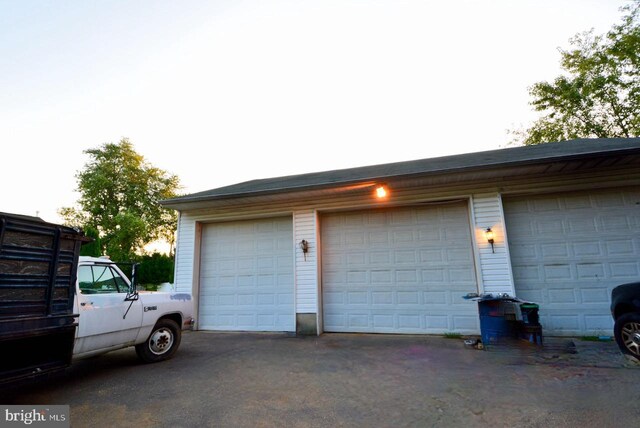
pixel 263 380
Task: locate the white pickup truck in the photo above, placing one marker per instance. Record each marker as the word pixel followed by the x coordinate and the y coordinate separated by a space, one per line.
pixel 112 315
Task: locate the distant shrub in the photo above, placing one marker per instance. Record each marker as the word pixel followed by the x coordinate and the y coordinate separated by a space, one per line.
pixel 154 269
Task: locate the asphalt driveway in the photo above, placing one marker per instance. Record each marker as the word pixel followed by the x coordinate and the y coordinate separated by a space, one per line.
pixel 236 380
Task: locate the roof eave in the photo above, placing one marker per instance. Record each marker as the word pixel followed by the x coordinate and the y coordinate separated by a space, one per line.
pixel 184 201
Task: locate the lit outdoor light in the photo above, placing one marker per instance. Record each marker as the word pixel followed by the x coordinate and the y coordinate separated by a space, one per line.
pixel 489 235
pixel 381 192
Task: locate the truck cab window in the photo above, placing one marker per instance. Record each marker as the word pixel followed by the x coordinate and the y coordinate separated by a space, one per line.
pixel 100 280
pixel 103 280
pixel 85 280
pixel 122 285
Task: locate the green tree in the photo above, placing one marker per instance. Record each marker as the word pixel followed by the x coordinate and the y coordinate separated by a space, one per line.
pixel 598 96
pixel 119 198
pixel 93 248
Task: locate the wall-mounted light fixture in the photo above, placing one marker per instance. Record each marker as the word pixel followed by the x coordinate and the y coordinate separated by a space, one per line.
pixel 489 235
pixel 381 191
pixel 304 246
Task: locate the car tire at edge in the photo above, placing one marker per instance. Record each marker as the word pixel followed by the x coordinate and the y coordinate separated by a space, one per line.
pixel 627 333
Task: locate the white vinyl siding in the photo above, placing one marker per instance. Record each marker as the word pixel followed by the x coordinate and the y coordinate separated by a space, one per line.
pixel 246 276
pixel 495 266
pixel 569 250
pixel 306 267
pixel 399 270
pixel 185 246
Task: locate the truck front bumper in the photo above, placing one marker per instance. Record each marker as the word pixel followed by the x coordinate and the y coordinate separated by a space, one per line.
pixel 189 323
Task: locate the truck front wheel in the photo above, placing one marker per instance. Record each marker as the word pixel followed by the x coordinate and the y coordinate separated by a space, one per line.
pixel 162 343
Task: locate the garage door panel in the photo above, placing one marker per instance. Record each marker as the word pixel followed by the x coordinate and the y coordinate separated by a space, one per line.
pixel 461 277
pixel 529 295
pixel 559 272
pixel 406 277
pixel 594 295
pixel 435 297
pixel 560 296
pixel 377 278
pixel 559 323
pixel 586 249
pixel 403 237
pixel 286 262
pixel 380 258
pixel 619 247
pixel 462 254
pixel 393 271
pixel 568 251
pixel 408 256
pixel 555 250
pixel 587 271
pixel 624 270
pixel 433 277
pixel 356 239
pixel 597 322
pixel 432 256
pixel 428 235
pixel 246 276
pixel 464 323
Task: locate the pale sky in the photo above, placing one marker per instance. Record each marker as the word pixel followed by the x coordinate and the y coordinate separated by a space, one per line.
pixel 219 92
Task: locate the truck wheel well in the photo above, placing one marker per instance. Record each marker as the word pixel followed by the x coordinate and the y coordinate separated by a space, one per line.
pixel 623 309
pixel 177 318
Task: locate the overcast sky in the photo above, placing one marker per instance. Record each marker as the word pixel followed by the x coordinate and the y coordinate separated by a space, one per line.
pixel 220 92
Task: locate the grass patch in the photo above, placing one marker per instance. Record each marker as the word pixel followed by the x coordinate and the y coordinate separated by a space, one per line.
pixel 452 335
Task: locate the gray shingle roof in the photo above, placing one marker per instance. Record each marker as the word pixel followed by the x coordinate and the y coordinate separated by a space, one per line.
pixel 523 155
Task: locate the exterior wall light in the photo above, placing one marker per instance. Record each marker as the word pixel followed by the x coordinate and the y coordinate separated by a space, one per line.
pixel 304 246
pixel 489 235
pixel 381 192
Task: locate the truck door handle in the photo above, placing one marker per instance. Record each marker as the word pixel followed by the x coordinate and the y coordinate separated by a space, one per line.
pixel 86 303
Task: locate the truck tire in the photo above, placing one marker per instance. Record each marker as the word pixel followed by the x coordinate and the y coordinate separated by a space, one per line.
pixel 162 343
pixel 627 333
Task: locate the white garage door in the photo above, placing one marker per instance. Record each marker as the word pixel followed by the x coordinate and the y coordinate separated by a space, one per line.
pixel 246 276
pixel 401 270
pixel 569 250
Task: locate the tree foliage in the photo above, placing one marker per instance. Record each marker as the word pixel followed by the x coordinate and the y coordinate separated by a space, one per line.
pixel 119 198
pixel 599 94
pixel 93 248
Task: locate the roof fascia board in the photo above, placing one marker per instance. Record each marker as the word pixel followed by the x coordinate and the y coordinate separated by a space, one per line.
pixel 372 179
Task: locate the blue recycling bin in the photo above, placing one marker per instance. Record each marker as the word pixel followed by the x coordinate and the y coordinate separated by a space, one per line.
pixel 495 327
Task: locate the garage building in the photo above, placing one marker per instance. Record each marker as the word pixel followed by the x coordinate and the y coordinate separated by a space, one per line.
pixel 393 248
